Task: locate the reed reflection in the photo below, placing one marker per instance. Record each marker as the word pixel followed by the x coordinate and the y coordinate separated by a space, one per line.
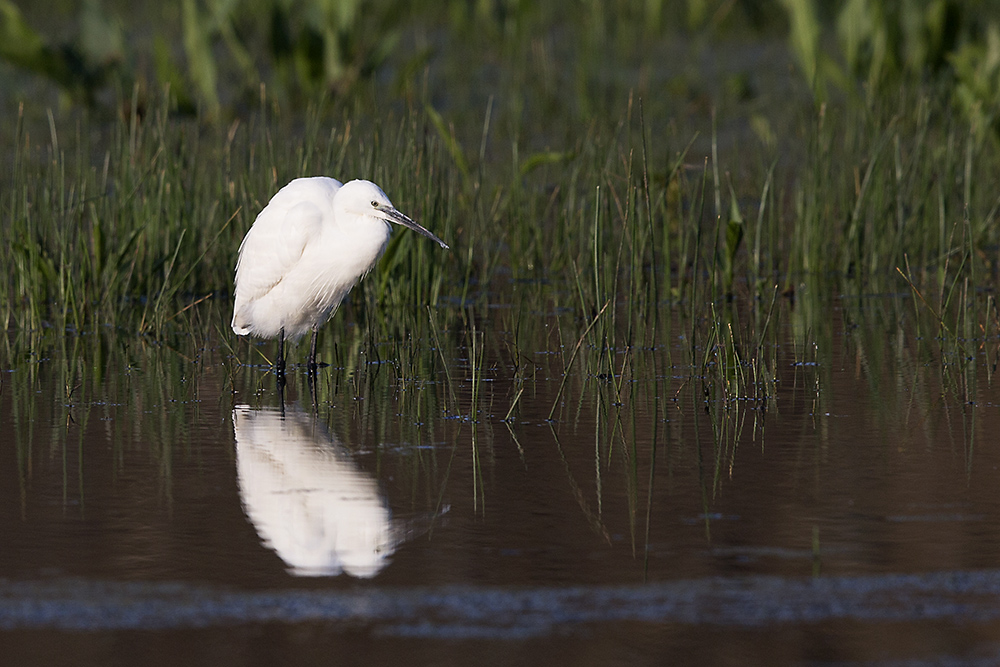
pixel 306 497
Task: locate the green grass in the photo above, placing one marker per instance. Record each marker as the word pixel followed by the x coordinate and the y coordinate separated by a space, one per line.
pixel 619 248
pixel 142 232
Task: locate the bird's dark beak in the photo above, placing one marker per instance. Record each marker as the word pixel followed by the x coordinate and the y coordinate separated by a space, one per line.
pixel 392 215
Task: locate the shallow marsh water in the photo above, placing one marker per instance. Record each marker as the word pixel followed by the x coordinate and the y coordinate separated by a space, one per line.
pixel 159 506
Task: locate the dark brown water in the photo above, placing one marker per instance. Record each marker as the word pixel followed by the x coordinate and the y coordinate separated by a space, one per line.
pixel 158 507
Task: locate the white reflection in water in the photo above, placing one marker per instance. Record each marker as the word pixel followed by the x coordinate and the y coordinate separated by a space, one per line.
pixel 307 498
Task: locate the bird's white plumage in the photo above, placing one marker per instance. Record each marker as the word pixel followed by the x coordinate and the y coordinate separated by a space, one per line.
pixel 270 265
pixel 305 251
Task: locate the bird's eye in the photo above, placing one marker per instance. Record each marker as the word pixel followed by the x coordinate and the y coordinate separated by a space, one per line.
pixel 374 204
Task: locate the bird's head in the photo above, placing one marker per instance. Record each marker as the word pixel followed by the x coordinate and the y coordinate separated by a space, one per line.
pixel 364 198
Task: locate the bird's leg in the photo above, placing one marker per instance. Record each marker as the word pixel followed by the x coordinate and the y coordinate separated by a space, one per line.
pixel 279 364
pixel 312 351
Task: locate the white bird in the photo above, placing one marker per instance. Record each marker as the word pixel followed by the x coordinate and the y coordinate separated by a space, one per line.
pixel 310 245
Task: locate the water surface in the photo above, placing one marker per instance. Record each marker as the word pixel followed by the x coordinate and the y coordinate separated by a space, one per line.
pixel 166 506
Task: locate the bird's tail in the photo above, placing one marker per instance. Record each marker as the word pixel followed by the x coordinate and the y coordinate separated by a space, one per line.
pixel 240 326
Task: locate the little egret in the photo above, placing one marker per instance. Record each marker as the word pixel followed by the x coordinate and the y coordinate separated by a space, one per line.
pixel 310 245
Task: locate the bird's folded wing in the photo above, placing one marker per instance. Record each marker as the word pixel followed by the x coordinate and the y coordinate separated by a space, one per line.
pixel 273 247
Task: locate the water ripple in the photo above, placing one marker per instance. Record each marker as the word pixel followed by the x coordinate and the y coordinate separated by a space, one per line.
pixel 512 613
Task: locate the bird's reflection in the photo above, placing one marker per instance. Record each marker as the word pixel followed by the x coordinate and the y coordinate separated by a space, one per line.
pixel 307 498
